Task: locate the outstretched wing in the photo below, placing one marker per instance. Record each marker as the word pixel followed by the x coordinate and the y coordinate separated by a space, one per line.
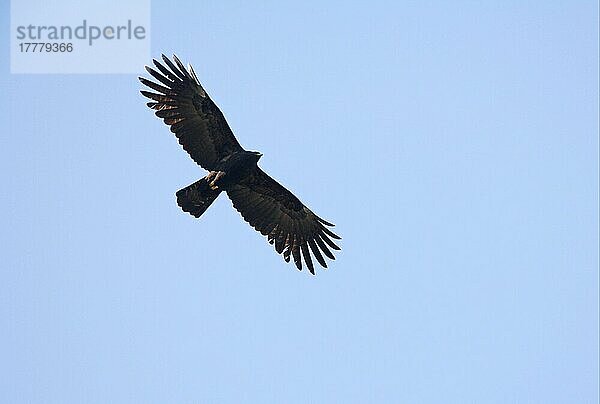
pixel 194 118
pixel 276 213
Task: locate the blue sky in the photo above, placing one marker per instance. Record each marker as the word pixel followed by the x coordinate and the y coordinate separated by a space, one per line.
pixel 454 144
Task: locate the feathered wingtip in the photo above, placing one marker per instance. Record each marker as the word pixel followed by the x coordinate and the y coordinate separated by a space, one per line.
pixel 169 74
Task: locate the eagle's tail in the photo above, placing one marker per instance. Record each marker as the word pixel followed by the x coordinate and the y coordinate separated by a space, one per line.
pixel 196 198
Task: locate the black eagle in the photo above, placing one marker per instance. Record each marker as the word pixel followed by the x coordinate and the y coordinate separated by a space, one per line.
pixel 182 103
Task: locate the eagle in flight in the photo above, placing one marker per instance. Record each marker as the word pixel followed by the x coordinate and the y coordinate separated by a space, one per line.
pixel 182 103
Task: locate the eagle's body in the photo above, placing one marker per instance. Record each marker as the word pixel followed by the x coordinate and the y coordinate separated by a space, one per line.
pixel 234 168
pixel 204 133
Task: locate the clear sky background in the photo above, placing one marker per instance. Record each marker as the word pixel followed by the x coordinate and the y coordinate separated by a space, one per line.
pixel 454 144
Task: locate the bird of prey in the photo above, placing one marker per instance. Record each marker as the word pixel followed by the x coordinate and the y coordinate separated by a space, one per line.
pixel 182 103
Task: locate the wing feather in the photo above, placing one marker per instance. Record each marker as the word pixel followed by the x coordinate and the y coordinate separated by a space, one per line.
pixel 329 242
pixel 293 229
pixel 182 103
pixel 324 247
pixel 316 252
pixel 306 255
pixel 296 253
pixel 166 81
pixel 174 69
pixel 166 72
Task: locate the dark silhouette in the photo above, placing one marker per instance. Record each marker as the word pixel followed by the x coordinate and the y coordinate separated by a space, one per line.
pixel 182 103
